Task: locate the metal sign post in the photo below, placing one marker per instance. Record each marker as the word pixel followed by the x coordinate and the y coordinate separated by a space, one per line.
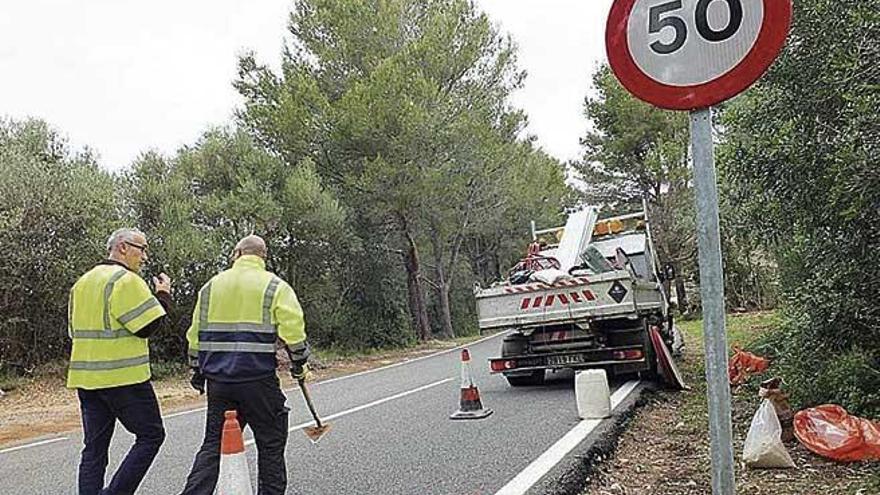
pixel 712 295
pixel 690 55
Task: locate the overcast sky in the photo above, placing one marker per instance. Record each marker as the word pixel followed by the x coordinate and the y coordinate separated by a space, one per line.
pixel 124 76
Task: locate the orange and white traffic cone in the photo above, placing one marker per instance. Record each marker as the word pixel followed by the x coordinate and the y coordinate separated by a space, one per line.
pixel 234 477
pixel 470 406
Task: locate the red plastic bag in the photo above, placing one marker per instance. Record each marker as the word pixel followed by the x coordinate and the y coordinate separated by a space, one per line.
pixel 743 365
pixel 830 431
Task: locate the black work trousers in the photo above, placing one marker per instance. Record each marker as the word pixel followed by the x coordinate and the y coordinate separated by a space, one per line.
pixel 135 406
pixel 260 405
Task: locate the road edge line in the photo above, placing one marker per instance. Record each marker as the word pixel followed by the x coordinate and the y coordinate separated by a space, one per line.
pixel 536 470
pixel 34 444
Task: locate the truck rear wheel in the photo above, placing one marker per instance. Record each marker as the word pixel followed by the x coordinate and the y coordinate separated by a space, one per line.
pixel 515 345
pixel 635 333
pixel 651 373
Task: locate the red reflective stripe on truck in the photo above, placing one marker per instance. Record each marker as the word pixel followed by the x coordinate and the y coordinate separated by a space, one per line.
pixel 556 299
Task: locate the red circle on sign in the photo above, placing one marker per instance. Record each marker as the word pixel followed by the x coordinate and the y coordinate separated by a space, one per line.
pixel 771 38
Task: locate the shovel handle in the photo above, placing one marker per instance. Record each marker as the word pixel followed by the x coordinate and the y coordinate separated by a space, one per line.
pixel 308 398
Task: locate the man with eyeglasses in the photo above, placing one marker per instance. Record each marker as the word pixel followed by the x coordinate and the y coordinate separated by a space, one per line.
pixel 111 313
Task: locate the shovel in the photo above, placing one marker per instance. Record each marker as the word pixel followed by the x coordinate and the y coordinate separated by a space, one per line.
pixel 313 432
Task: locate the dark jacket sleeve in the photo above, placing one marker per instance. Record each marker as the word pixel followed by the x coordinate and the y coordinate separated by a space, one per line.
pixel 160 322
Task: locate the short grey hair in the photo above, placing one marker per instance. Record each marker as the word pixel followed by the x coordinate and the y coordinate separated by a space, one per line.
pixel 125 234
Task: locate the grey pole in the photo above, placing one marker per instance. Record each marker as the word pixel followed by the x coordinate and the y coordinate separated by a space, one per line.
pixel 712 292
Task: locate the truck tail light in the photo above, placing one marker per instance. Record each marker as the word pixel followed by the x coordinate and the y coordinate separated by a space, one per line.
pixel 503 364
pixel 628 354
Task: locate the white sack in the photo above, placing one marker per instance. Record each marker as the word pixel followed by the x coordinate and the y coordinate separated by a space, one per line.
pixel 763 447
pixel 550 276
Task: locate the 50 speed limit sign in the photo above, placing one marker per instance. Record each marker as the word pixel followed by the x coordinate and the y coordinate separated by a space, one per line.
pixel 687 54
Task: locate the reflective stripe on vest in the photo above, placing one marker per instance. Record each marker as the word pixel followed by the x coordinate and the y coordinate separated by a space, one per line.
pixel 102 334
pixel 235 327
pixel 108 332
pixel 108 291
pixel 109 365
pixel 265 327
pixel 237 347
pixel 131 315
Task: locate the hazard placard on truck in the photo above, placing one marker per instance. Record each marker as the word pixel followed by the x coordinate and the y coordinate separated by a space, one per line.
pixel 587 302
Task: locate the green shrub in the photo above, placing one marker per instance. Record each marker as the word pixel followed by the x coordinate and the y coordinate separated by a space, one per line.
pixel 166 369
pixel 818 374
pixel 57 208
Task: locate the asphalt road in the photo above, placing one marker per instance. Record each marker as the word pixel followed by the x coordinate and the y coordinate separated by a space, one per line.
pixel 391 435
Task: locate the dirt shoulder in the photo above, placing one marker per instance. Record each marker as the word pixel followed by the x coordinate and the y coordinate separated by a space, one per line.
pixel 665 448
pixel 43 406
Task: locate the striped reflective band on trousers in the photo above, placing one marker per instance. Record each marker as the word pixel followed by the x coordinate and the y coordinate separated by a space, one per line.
pixel 109 333
pixel 265 327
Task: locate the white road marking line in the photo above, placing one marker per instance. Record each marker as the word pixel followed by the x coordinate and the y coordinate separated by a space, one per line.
pixel 35 444
pixel 340 378
pixel 181 413
pixel 546 461
pixel 408 361
pixel 365 406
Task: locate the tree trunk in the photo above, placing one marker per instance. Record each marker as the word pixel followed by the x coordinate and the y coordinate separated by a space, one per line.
pixel 496 265
pixel 679 289
pixel 417 308
pixel 667 252
pixel 445 311
pixel 442 286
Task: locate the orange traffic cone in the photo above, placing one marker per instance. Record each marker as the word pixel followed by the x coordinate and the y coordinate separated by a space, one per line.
pixel 470 406
pixel 234 477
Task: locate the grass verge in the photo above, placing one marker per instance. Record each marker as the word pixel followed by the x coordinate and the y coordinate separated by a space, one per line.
pixel 666 448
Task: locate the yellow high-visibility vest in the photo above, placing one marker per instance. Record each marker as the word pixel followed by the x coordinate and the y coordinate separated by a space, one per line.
pixel 107 306
pixel 239 315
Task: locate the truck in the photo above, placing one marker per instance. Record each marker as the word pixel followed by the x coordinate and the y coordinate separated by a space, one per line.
pixel 587 295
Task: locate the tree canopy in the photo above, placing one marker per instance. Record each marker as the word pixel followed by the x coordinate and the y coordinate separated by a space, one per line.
pixel 384 165
pixel 798 155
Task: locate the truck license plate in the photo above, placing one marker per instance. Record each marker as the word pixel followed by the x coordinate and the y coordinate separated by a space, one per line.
pixel 565 359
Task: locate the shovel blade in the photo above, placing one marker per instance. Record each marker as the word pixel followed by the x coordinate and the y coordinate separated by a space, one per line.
pixel 316 432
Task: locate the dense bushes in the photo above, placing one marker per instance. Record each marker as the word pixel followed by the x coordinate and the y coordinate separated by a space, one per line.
pixel 801 152
pixel 57 209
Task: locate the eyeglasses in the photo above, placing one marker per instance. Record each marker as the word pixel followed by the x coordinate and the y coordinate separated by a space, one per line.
pixel 143 248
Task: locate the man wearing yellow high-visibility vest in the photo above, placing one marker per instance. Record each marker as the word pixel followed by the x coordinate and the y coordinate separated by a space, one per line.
pixel 111 313
pixel 239 316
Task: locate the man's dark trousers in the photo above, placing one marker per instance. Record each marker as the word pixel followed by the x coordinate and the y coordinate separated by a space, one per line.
pixel 135 406
pixel 260 404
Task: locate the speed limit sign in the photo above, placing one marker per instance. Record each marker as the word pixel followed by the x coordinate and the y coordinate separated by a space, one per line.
pixel 687 54
pixel 690 55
